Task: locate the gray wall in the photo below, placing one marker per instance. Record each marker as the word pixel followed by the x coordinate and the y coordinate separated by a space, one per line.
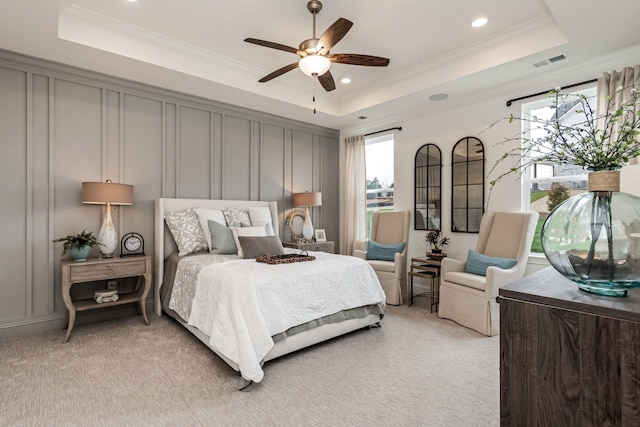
pixel 60 126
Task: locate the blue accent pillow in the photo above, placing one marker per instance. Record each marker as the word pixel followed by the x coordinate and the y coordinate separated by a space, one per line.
pixel 383 251
pixel 478 263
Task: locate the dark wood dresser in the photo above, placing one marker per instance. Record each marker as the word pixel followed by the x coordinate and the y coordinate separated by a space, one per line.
pixel 568 357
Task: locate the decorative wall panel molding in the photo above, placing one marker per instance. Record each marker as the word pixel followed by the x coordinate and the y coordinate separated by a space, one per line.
pixel 60 126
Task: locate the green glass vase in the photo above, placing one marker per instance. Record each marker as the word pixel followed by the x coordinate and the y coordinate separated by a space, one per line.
pixel 593 239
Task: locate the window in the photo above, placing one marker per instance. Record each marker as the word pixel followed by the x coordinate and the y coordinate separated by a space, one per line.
pixel 547 185
pixel 379 165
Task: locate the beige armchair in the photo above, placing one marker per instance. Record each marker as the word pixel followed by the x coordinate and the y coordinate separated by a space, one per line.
pixel 470 299
pixel 390 227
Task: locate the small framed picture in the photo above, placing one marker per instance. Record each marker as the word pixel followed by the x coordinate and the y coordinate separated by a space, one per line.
pixel 320 235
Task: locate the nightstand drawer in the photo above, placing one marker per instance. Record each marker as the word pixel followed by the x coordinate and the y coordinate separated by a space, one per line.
pixel 319 247
pixel 107 270
pixel 312 246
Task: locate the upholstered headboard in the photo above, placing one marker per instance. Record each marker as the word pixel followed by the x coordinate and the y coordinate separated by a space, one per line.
pixel 164 243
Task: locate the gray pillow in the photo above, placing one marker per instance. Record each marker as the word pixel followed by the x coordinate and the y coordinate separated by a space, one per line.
pixel 255 246
pixel 222 241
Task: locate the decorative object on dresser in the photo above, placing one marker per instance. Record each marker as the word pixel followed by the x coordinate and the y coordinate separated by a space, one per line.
pixel 79 245
pixel 96 269
pixel 320 235
pixel 107 193
pixel 132 244
pixel 468 289
pixel 307 199
pixel 591 238
pixel 387 252
pixel 567 358
pixel 594 238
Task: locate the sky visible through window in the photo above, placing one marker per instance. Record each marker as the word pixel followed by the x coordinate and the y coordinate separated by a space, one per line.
pixel 379 160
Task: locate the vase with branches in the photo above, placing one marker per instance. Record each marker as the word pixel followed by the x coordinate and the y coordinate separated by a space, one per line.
pixel 589 237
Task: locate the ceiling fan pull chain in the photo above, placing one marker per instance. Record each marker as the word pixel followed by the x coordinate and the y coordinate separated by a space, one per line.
pixel 314 96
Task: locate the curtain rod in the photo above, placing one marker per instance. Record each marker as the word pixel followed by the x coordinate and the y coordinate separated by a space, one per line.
pixel 509 102
pixel 384 130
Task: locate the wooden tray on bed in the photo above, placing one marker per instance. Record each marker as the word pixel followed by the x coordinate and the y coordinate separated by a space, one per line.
pixel 285 259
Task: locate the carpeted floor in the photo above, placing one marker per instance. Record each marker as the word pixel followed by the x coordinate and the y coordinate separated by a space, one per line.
pixel 415 370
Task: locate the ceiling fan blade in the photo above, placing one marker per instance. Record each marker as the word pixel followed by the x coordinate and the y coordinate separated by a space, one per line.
pixel 334 34
pixel 272 45
pixel 357 59
pixel 326 80
pixel 279 72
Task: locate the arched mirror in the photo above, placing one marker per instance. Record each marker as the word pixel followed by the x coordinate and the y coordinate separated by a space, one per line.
pixel 428 200
pixel 467 179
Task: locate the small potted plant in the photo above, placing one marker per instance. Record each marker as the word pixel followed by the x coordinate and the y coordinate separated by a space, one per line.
pixel 79 245
pixel 436 241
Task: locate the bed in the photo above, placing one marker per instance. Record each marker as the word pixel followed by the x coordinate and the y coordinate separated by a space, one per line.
pixel 344 292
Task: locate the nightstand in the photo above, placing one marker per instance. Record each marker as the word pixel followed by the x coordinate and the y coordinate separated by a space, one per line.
pixel 94 269
pixel 311 246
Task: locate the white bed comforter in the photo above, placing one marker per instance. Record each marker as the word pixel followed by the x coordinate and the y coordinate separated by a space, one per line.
pixel 241 303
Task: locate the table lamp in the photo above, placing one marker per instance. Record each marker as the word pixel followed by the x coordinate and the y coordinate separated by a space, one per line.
pixel 307 199
pixel 107 193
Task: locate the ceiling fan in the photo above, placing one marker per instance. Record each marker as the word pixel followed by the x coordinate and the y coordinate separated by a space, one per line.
pixel 315 58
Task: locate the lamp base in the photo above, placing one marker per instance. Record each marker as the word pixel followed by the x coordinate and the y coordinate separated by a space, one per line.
pixel 307 227
pixel 108 237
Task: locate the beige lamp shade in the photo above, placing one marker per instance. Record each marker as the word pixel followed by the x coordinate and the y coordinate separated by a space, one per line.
pixel 100 193
pixel 307 199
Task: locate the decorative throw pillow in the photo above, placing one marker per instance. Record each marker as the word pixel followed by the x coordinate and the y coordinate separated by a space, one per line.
pixel 253 247
pixel 186 231
pixel 222 241
pixel 236 217
pixel 383 251
pixel 205 215
pixel 259 230
pixel 478 263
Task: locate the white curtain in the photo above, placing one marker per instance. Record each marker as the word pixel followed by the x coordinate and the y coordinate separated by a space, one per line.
pixel 609 85
pixel 355 195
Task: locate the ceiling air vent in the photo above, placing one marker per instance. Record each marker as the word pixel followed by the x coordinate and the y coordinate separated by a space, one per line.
pixel 551 60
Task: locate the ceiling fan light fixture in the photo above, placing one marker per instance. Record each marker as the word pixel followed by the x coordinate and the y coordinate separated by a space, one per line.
pixel 314 65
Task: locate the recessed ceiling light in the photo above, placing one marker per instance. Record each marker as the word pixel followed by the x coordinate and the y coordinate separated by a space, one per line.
pixel 345 80
pixel 133 1
pixel 479 22
pixel 438 97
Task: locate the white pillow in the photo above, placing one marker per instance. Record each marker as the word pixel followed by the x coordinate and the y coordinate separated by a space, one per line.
pixel 260 216
pixel 209 214
pixel 259 230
